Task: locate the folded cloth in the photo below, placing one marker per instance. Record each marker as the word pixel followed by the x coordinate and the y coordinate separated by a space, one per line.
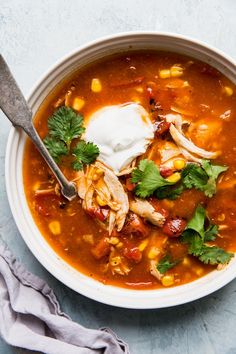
pixel 31 318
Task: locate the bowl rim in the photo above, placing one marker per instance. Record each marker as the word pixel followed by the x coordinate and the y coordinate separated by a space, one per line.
pixel 183 296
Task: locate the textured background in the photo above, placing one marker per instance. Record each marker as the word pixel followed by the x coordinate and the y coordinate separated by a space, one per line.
pixel 33 35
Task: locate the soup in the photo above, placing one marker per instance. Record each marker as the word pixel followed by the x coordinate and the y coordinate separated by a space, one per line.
pixel 149 140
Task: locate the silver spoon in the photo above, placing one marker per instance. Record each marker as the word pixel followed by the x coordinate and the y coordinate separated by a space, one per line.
pixel 14 105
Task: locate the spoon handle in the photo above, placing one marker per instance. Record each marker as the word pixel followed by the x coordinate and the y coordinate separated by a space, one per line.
pixel 15 107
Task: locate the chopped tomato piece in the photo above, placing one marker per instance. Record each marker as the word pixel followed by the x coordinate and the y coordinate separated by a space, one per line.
pixel 133 253
pixel 98 213
pixel 135 225
pixel 102 249
pixel 161 127
pixel 166 171
pixel 156 205
pixel 129 185
pixel 174 227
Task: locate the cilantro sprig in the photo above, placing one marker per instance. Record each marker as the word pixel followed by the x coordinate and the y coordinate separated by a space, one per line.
pixel 199 176
pixel 197 234
pixel 64 126
pixel 148 179
pixel 202 177
pixel 166 263
pixel 85 153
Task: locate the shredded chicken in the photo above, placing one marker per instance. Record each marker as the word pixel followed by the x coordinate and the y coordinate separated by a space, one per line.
pixel 168 151
pixel 100 181
pixel 119 195
pixel 154 271
pixel 182 141
pixel 144 209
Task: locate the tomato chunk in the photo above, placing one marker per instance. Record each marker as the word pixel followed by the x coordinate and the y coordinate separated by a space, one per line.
pixel 102 249
pixel 161 127
pixel 129 185
pixel 99 213
pixel 174 227
pixel 135 225
pixel 133 253
pixel 166 171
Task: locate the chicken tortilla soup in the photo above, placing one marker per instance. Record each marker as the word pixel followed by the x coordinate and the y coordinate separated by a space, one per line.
pixel 149 139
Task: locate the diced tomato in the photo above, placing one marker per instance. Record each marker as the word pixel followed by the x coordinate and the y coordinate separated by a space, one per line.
pixel 133 253
pixel 136 226
pixel 156 205
pixel 129 185
pixel 174 227
pixel 102 249
pixel 166 171
pixel 161 127
pixel 99 213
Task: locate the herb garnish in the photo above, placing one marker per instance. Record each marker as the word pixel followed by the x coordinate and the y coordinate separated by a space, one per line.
pixel 196 235
pixel 202 177
pixel 166 263
pixel 85 153
pixel 64 126
pixel 148 179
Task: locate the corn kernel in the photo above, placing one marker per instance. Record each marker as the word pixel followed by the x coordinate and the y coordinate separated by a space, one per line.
pixel 167 280
pixel 78 103
pixel 113 240
pixel 175 177
pixel 176 71
pixel 139 89
pixel 100 201
pixel 153 253
pixel 55 227
pixel 199 271
pixel 179 164
pixel 89 239
pixel 186 261
pixel 115 261
pixel 96 85
pixel 143 245
pixel 164 74
pixel 228 91
pixel 221 217
pixel 119 245
pixel 98 173
pixel 36 186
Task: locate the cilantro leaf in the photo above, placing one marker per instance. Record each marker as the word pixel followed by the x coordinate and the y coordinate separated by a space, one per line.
pixel 213 171
pixel 56 148
pixel 148 179
pixel 211 233
pixel 195 235
pixel 214 255
pixel 65 125
pixel 169 192
pixel 194 176
pixel 202 177
pixel 85 153
pixel 165 264
pixel 197 221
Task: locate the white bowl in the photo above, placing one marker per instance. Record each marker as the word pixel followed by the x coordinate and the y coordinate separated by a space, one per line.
pixel 138 299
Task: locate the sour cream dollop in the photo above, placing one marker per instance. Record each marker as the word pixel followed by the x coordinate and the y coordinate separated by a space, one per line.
pixel 122 132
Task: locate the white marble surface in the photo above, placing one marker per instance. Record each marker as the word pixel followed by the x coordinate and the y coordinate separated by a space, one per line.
pixel 33 34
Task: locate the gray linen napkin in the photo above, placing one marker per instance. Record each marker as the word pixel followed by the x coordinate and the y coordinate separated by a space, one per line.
pixel 31 318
